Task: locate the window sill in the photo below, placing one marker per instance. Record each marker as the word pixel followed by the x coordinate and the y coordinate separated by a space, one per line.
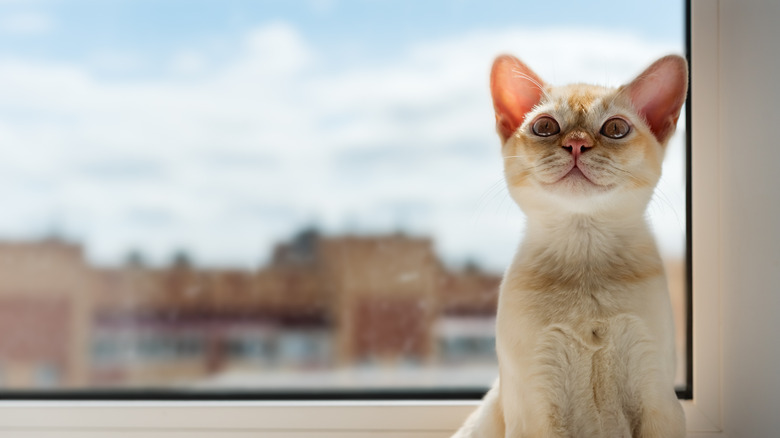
pixel 417 419
pixel 230 419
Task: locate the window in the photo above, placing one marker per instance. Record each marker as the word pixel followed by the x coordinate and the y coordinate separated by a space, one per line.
pixel 219 189
pixel 131 281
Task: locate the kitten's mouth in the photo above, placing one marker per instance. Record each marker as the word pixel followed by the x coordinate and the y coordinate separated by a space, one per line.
pixel 576 173
pixel 577 177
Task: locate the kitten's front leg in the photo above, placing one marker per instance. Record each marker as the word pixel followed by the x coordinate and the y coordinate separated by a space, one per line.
pixel 487 421
pixel 526 383
pixel 657 412
pixel 528 412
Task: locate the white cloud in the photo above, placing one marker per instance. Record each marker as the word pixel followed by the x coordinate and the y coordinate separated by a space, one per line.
pixel 274 50
pixel 116 62
pixel 248 152
pixel 188 62
pixel 26 23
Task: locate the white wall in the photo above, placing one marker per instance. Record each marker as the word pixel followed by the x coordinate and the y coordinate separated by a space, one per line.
pixel 750 219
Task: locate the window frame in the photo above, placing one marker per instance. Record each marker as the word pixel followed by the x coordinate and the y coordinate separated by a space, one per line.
pixel 439 418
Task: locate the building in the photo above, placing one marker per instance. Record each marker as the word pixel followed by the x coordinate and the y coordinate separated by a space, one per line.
pixel 45 314
pixel 321 302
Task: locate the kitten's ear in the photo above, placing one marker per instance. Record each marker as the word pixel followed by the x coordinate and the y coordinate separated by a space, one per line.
pixel 515 89
pixel 659 93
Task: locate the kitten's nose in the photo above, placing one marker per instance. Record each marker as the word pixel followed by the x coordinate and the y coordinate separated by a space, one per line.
pixel 576 146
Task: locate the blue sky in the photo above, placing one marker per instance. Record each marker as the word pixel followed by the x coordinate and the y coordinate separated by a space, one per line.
pixel 74 30
pixel 221 127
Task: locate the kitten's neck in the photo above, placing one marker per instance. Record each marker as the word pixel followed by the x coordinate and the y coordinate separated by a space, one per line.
pixel 586 239
pixel 578 255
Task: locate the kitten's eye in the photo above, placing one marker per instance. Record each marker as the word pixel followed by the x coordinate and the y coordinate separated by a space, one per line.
pixel 615 128
pixel 545 127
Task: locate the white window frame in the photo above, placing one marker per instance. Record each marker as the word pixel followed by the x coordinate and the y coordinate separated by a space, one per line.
pixel 428 419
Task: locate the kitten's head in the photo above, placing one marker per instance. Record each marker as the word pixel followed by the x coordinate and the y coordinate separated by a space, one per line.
pixel 585 148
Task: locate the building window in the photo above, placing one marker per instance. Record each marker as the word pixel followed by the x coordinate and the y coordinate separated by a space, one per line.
pixel 46 375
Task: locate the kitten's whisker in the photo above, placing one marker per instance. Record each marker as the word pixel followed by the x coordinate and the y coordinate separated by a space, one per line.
pixel 663 198
pixel 488 197
pixel 496 189
pixel 609 166
pixel 491 191
pixel 548 159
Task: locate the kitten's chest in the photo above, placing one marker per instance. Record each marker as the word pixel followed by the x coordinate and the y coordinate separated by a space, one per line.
pixel 554 295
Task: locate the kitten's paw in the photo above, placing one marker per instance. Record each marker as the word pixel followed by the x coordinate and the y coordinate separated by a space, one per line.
pixel 668 423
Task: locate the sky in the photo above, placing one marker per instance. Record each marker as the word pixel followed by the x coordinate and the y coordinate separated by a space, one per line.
pixel 222 127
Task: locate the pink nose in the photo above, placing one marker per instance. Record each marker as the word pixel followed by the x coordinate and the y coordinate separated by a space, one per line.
pixel 576 146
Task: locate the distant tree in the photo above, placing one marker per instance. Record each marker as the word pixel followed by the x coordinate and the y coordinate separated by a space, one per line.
pixel 306 237
pixel 472 267
pixel 302 246
pixel 181 260
pixel 135 259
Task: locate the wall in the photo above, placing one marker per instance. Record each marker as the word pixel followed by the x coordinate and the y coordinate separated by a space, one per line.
pixel 750 219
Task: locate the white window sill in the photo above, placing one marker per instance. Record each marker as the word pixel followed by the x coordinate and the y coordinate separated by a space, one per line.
pixel 268 419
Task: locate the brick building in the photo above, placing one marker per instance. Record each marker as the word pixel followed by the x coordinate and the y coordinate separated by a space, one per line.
pixel 45 314
pixel 321 302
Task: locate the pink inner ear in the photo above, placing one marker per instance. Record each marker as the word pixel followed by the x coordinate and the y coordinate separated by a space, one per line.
pixel 659 93
pixel 516 89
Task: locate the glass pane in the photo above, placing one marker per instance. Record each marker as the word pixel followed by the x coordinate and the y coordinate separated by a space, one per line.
pixel 279 195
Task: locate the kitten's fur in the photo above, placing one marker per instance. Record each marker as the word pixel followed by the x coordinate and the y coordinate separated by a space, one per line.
pixel 584 331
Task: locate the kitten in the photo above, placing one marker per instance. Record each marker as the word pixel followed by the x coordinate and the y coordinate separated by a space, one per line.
pixel 584 329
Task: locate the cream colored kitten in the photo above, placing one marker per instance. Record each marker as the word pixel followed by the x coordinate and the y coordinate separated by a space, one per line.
pixel 584 332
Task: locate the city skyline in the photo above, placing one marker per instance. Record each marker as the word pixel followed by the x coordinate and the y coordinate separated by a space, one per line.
pixel 323 303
